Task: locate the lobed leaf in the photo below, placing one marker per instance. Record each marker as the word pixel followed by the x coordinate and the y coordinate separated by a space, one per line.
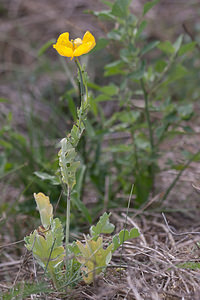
pixel 94 258
pixel 103 226
pixel 122 236
pixel 45 209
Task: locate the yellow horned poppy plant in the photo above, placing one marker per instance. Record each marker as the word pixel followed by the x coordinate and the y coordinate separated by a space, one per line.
pixel 77 47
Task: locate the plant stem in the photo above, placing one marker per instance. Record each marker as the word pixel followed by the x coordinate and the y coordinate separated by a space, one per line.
pixel 148 116
pixel 171 186
pixel 67 225
pixel 151 138
pixel 82 80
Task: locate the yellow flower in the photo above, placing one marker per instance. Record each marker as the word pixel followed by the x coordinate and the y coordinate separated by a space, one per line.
pixel 76 47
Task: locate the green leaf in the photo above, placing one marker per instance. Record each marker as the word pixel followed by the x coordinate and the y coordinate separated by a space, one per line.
pixel 108 3
pixel 105 15
pixel 3 161
pixel 186 48
pixel 23 290
pixel 142 142
pixel 177 73
pixel 149 47
pixel 45 176
pixel 76 194
pixel 94 258
pixel 44 48
pixel 114 35
pixel 101 44
pixel 103 226
pixel 138 74
pixel 67 163
pixel 110 89
pixel 47 246
pixel 114 68
pixel 120 147
pixel 160 131
pixel 189 265
pixel 160 66
pixel 3 100
pixel 81 206
pixel 103 97
pixel 122 236
pixel 149 5
pixel 120 8
pixel 185 111
pixel 178 43
pixel 140 29
pixel 166 47
pixel 129 117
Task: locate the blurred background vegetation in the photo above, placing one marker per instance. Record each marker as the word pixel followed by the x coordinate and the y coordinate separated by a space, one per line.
pixel 139 54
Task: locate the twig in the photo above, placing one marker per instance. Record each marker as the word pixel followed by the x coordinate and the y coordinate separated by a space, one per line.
pixel 173 232
pixel 20 268
pixel 190 35
pixel 11 244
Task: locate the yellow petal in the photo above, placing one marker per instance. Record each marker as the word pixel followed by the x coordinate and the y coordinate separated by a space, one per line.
pixel 63 50
pixel 76 47
pixel 87 45
pixel 88 37
pixel 83 49
pixel 63 45
pixel 64 40
pixel 45 208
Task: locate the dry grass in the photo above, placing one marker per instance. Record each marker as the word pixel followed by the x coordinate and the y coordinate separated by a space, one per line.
pixel 150 264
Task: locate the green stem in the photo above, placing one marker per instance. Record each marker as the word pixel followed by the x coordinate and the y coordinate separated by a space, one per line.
pixel 162 75
pixel 82 83
pixel 67 225
pixel 171 186
pixel 148 115
pixel 151 138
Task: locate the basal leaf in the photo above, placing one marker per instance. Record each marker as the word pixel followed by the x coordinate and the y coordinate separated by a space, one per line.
pixel 46 243
pixel 94 258
pixel 123 236
pixel 103 226
pixel 45 209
